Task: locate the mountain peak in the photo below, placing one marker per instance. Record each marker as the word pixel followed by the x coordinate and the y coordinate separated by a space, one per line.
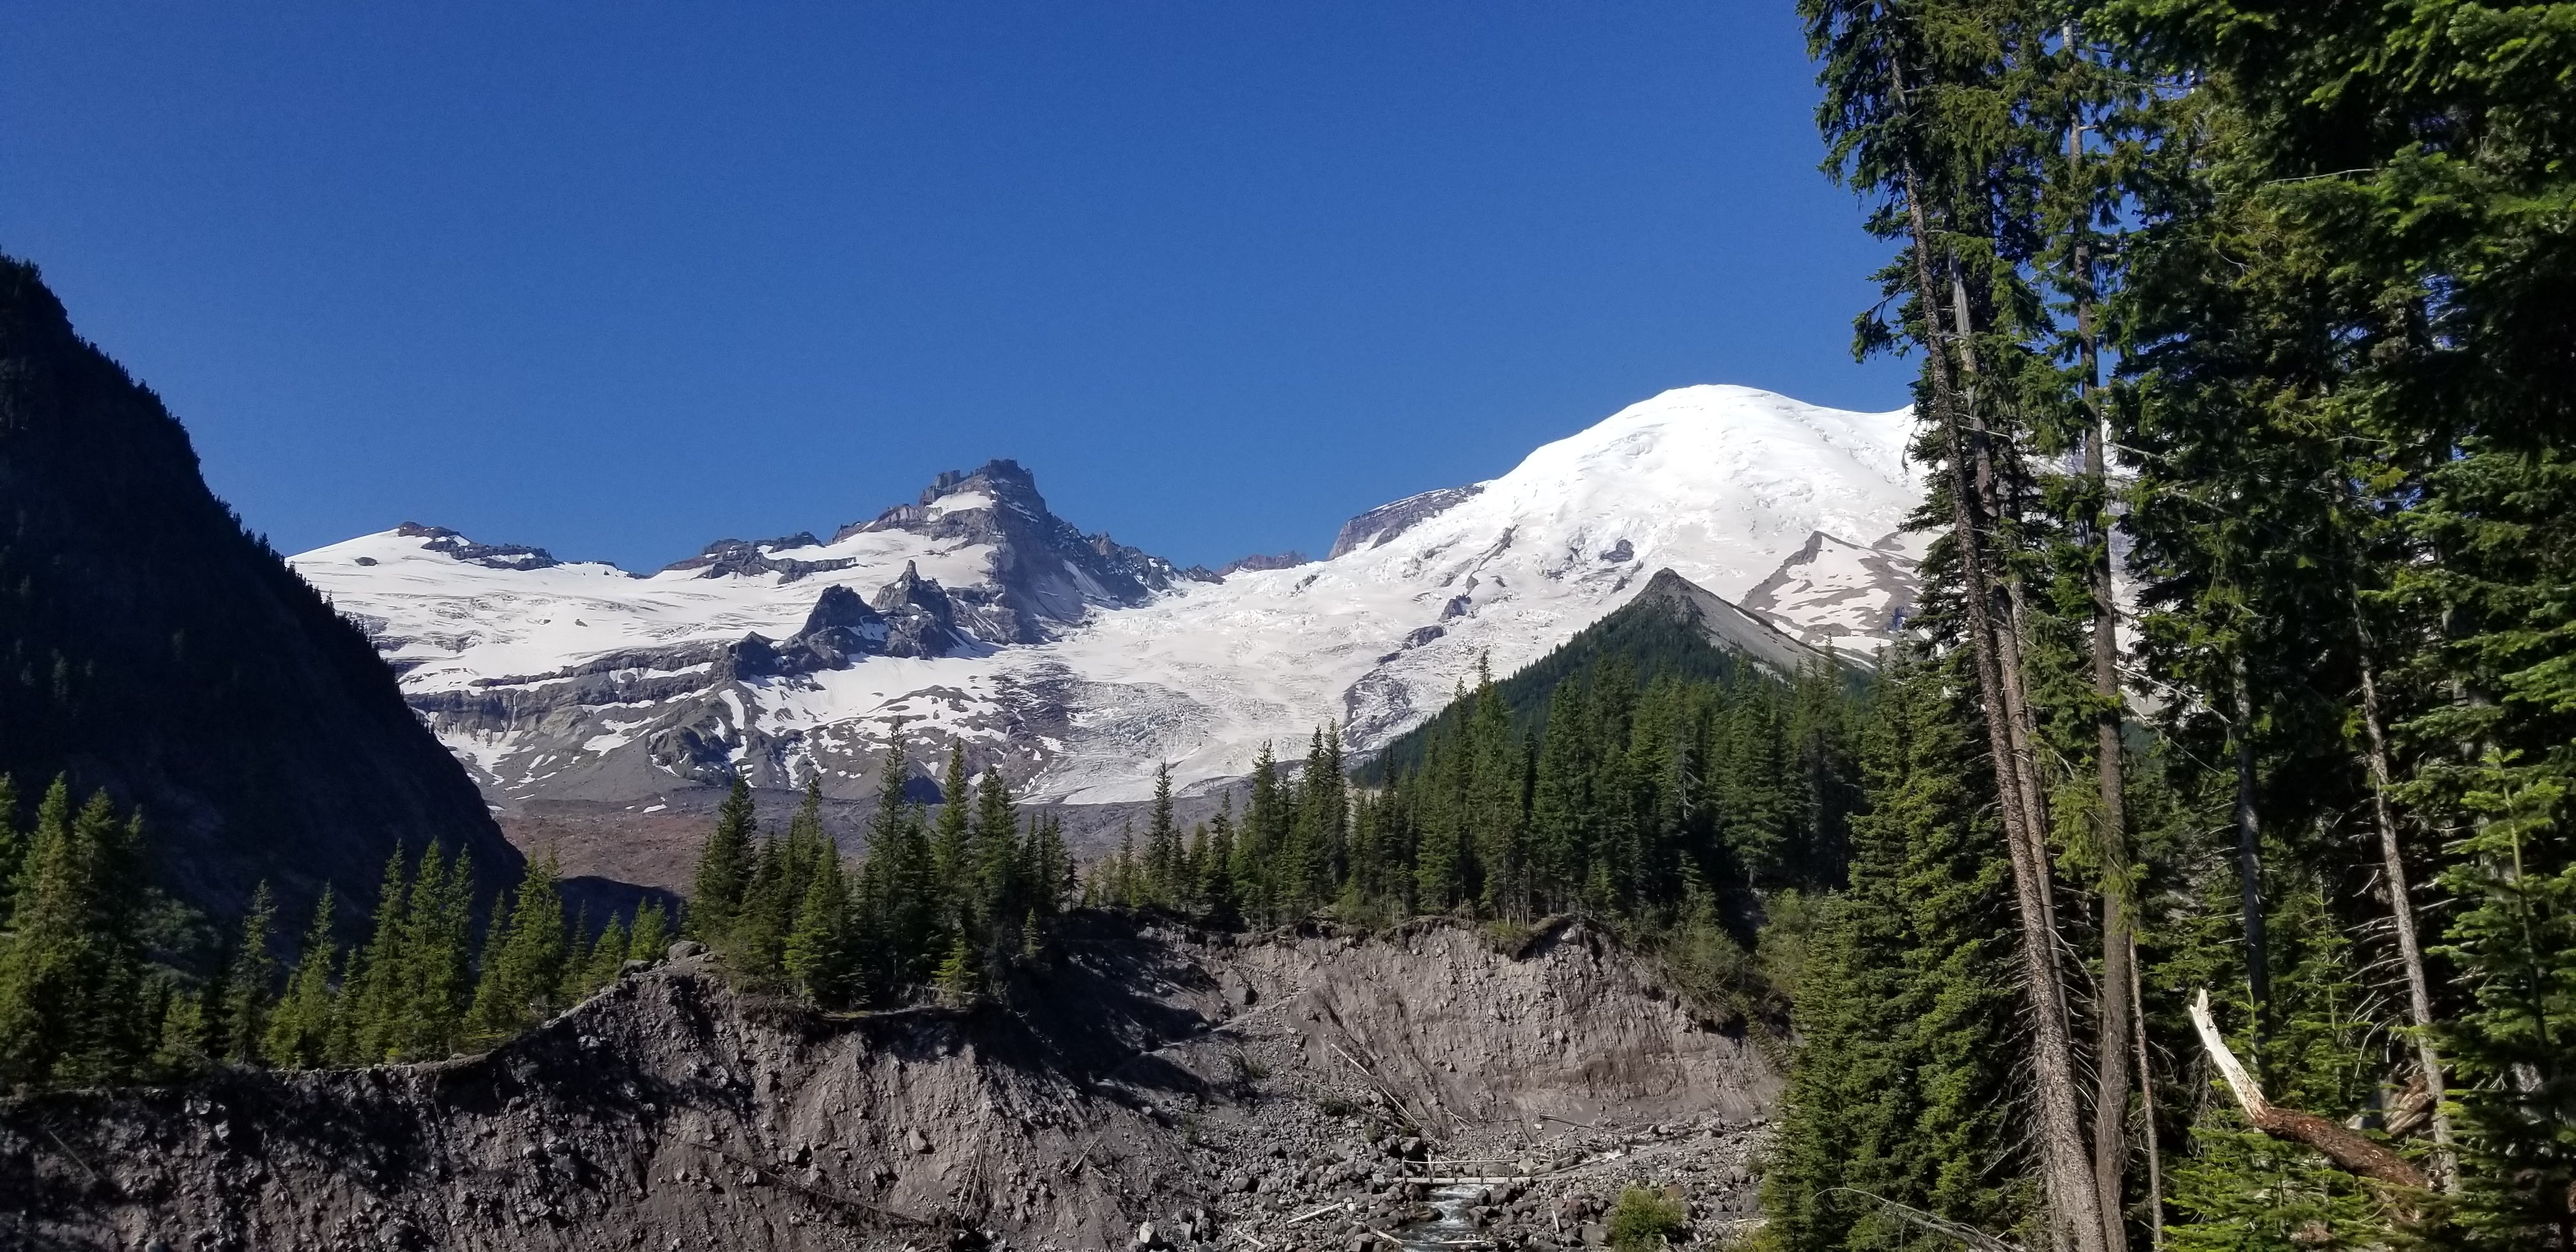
pixel 1065 658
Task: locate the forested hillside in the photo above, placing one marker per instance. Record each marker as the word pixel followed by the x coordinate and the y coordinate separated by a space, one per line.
pixel 151 646
pixel 1655 635
pixel 1686 809
pixel 2286 294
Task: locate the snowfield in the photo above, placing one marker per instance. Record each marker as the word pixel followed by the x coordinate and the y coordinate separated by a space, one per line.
pixel 1787 508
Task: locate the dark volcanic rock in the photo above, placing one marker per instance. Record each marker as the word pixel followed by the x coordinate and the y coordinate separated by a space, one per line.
pixel 1386 521
pixel 1289 559
pixel 1045 573
pixel 149 645
pixel 495 555
pixel 920 619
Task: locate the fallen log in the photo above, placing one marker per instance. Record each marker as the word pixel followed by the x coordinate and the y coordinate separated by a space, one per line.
pixel 2348 1149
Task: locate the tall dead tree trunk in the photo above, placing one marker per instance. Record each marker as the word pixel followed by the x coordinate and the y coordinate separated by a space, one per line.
pixel 2021 724
pixel 2119 947
pixel 2401 904
pixel 2065 1167
pixel 2249 853
pixel 2147 1109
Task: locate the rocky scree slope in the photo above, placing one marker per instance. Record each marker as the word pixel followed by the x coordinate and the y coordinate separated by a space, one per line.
pixel 149 646
pixel 1301 1088
pixel 1074 664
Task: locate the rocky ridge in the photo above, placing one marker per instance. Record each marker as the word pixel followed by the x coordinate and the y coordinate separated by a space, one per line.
pixel 1148 1089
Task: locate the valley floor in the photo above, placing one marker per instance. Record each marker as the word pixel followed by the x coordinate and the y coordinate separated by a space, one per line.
pixel 1299 1090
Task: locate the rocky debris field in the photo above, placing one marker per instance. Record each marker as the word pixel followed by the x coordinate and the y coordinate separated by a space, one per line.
pixel 1143 1088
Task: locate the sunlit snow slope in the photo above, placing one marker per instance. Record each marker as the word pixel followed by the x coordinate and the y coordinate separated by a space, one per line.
pixel 1075 664
pixel 1721 484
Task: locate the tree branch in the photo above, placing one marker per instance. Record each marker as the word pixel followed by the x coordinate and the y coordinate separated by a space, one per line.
pixel 2348 1149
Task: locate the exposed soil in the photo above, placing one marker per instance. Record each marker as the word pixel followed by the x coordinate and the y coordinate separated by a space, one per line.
pixel 1296 1090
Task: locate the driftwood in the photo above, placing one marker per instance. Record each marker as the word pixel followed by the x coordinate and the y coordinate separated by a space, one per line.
pixel 1337 1206
pixel 2348 1149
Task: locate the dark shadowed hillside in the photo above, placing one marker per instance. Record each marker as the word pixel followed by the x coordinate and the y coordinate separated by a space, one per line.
pixel 150 646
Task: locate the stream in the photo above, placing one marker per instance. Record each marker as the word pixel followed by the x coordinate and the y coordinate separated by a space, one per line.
pixel 1446 1232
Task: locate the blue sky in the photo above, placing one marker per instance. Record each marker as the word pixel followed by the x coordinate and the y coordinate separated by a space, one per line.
pixel 621 279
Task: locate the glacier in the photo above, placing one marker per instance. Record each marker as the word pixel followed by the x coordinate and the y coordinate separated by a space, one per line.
pixel 1076 664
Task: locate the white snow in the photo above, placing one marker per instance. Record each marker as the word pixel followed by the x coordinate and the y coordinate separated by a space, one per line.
pixel 464 622
pixel 1722 484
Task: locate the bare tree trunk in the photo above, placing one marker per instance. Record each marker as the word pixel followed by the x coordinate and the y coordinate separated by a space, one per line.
pixel 2119 947
pixel 2021 725
pixel 2401 905
pixel 2026 792
pixel 2147 1109
pixel 2066 1172
pixel 2249 854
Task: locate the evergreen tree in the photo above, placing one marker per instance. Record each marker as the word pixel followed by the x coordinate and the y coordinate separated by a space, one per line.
pixel 817 955
pixel 898 887
pixel 651 935
pixel 179 1037
pixel 996 893
pixel 523 959
pixel 951 854
pixel 724 867
pixel 372 993
pixel 578 944
pixel 607 956
pixel 956 975
pixel 437 973
pixel 1905 1060
pixel 299 1032
pixel 13 844
pixel 71 970
pixel 248 981
pixel 1162 843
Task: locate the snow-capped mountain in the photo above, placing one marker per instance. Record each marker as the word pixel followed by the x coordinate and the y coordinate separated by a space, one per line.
pixel 977 616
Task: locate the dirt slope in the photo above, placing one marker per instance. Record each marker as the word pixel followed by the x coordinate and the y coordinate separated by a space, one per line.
pixel 1216 1087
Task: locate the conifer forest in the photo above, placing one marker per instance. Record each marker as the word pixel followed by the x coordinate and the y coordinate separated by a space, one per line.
pixel 2247 348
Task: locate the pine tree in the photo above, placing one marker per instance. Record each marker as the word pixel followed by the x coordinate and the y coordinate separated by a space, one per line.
pixel 724 867
pixel 651 935
pixel 247 985
pixel 951 854
pixel 899 886
pixel 1906 1039
pixel 437 980
pixel 956 975
pixel 179 1039
pixel 373 992
pixel 607 956
pixel 1228 865
pixel 13 844
pixel 1914 94
pixel 995 887
pixel 1163 843
pixel 299 1032
pixel 817 954
pixel 523 961
pixel 578 943
pixel 71 971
